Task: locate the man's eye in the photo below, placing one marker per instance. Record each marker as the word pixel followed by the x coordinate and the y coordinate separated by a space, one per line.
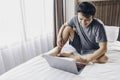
pixel 80 19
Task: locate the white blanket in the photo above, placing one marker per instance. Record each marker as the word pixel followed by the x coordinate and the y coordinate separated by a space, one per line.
pixel 38 69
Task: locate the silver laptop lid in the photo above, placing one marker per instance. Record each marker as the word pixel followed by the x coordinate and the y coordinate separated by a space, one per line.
pixel 62 63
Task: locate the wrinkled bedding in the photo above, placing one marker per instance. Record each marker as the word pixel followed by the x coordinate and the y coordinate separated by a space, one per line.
pixel 38 69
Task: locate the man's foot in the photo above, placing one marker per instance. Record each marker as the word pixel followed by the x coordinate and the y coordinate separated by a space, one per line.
pixel 76 57
pixel 65 54
pixel 82 60
pixel 55 51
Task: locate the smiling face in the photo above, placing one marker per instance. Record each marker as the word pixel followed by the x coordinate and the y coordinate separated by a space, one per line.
pixel 84 21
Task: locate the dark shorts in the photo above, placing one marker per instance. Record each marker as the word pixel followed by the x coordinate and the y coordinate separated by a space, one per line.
pixel 76 43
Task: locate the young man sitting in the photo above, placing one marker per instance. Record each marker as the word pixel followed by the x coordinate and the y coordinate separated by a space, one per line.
pixel 86 34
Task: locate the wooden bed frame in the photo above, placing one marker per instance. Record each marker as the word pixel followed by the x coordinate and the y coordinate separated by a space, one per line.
pixel 107 10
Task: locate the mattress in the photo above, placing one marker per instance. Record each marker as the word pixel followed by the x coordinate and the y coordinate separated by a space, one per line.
pixel 38 69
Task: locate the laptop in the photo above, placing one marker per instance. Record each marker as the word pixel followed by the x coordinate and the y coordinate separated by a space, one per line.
pixel 66 64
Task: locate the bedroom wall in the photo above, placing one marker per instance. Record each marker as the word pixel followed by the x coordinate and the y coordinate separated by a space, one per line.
pixel 107 10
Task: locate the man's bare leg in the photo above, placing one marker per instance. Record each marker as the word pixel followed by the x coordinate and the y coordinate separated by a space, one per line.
pixel 101 59
pixel 81 58
pixel 74 56
pixel 69 55
pixel 67 33
pixel 56 51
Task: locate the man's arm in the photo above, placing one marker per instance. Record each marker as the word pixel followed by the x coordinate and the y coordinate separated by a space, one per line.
pixel 101 51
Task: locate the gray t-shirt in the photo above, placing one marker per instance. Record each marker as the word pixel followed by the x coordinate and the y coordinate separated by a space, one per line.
pixel 90 36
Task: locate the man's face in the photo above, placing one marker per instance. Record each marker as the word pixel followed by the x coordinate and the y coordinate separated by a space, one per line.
pixel 83 20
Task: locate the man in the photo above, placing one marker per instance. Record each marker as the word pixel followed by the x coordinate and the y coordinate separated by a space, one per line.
pixel 86 34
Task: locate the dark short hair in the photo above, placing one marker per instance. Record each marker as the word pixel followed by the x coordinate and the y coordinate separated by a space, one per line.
pixel 87 8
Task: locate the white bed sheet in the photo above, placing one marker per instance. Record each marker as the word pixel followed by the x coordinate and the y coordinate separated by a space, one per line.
pixel 38 69
pixel 107 71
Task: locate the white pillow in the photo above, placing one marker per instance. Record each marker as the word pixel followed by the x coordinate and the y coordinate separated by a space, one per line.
pixel 112 33
pixel 113 46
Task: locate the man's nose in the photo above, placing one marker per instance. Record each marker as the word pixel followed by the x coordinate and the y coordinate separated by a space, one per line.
pixel 83 21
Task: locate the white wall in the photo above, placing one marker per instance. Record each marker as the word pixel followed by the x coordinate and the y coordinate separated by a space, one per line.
pixel 70 9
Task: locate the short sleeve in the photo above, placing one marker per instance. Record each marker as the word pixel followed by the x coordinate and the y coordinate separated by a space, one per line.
pixel 101 34
pixel 71 23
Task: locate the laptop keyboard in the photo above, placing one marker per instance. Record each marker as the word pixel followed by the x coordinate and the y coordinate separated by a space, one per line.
pixel 80 66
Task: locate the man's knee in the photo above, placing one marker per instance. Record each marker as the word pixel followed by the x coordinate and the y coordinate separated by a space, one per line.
pixel 103 59
pixel 68 29
pixel 68 33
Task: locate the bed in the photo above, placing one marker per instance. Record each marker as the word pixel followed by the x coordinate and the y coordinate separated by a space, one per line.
pixel 38 68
